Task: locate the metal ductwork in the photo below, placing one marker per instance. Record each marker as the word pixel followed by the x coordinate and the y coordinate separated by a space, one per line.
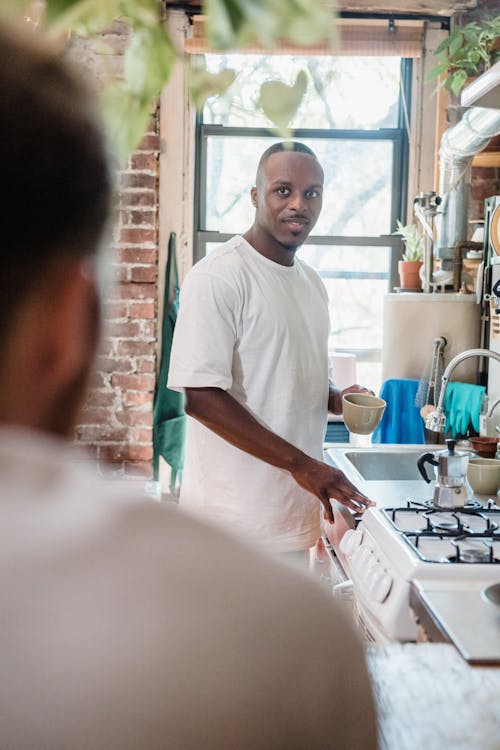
pixel 459 145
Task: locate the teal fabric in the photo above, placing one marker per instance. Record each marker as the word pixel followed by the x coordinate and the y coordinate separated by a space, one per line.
pixel 462 406
pixel 169 419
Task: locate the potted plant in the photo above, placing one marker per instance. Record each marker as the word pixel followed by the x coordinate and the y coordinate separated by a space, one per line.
pixel 410 264
pixel 468 51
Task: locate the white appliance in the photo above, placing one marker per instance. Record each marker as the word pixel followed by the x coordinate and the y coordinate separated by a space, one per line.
pixel 411 323
pixel 391 547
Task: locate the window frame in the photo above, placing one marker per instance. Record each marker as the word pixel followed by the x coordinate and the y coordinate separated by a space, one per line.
pixel 399 188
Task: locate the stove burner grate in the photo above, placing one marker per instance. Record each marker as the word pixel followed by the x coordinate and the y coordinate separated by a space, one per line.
pixel 470 548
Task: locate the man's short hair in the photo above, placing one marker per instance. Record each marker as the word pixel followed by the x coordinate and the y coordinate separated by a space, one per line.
pixel 283 146
pixel 55 183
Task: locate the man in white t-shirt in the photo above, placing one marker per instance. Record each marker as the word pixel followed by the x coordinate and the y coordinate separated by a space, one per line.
pixel 125 624
pixel 250 351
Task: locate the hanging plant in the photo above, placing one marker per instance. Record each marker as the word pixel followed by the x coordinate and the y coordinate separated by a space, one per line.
pixel 466 52
pixel 150 55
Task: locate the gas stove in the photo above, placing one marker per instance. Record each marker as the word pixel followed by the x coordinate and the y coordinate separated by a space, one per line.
pixel 391 547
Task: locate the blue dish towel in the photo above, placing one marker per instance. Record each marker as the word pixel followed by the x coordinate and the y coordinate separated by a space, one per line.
pixel 462 406
pixel 401 422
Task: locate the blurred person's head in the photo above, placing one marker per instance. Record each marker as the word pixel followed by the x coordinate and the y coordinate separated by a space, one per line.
pixel 54 204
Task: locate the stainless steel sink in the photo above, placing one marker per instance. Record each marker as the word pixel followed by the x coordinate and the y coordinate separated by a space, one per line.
pixel 382 464
pixel 388 474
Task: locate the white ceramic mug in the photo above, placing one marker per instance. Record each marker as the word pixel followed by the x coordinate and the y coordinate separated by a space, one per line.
pixel 362 412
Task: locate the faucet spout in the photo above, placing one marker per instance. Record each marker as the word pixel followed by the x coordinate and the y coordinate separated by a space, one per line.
pixel 436 420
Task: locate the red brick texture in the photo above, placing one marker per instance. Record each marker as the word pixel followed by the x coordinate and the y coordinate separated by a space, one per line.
pixel 115 425
pixel 485 182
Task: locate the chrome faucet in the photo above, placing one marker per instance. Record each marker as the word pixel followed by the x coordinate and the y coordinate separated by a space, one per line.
pixel 436 420
pixel 492 408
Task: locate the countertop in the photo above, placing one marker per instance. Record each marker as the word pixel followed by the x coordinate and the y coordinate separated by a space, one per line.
pixel 429 698
pixel 461 614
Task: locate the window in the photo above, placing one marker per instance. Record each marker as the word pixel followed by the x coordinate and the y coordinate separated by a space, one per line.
pixel 353 118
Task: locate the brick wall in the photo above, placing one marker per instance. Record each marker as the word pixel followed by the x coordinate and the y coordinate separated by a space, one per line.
pixel 485 182
pixel 115 425
pixel 116 421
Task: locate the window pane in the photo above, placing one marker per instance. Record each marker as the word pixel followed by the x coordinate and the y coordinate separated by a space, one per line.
pixel 342 92
pixel 356 198
pixel 356 304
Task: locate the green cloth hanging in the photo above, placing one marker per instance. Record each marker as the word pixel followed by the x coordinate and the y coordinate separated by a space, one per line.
pixel 169 418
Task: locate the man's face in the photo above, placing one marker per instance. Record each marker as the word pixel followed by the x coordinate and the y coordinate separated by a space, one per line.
pixel 288 197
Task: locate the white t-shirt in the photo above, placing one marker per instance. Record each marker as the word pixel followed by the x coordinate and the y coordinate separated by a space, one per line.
pixel 127 624
pixel 259 331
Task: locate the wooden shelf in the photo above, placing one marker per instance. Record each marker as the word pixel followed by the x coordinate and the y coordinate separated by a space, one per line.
pixel 487 159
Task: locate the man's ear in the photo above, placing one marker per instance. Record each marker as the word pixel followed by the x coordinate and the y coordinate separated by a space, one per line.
pixel 253 196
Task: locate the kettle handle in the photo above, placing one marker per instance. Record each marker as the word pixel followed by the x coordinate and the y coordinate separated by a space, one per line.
pixel 426 458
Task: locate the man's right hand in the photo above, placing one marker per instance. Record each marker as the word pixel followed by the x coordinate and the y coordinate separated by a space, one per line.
pixel 328 483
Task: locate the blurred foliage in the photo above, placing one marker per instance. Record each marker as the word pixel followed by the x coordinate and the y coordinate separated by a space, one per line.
pixel 280 101
pixel 150 54
pixel 466 52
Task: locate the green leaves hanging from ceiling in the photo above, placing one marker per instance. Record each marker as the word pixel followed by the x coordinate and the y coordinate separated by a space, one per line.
pixel 150 55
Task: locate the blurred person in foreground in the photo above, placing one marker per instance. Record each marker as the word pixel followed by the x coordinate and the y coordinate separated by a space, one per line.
pixel 250 351
pixel 125 624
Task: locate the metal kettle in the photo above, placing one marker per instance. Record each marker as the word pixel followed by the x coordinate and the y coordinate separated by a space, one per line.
pixel 450 490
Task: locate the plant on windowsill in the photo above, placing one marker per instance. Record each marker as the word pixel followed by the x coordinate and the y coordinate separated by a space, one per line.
pixel 410 264
pixel 468 51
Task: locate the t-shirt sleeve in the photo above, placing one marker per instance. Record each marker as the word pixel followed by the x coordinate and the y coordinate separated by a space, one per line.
pixel 204 335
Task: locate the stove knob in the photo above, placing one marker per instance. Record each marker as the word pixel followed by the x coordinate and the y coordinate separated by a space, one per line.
pixel 381 587
pixel 350 541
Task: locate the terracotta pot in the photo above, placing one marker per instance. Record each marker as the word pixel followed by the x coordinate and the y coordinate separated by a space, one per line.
pixel 409 274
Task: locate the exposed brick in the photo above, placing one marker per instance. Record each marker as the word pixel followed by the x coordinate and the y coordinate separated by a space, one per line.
pixel 95 415
pixel 126 330
pixel 121 273
pixel 116 419
pixel 115 310
pixel 135 418
pixel 119 452
pixel 135 398
pixel 96 433
pixel 97 380
pixel 138 180
pixel 483 173
pixel 138 198
pixel 133 382
pixel 114 364
pixel 141 435
pixel 145 365
pixel 485 189
pixel 100 398
pixel 144 217
pixel 137 291
pixel 143 273
pixel 134 348
pixel 143 161
pixel 148 329
pixel 138 236
pixel 149 143
pixel 142 310
pixel 137 255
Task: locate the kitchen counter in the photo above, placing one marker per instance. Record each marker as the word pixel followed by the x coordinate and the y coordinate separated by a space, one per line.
pixel 429 698
pixel 460 615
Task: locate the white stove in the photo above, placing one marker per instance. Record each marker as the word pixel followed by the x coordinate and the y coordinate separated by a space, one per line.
pixel 391 547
